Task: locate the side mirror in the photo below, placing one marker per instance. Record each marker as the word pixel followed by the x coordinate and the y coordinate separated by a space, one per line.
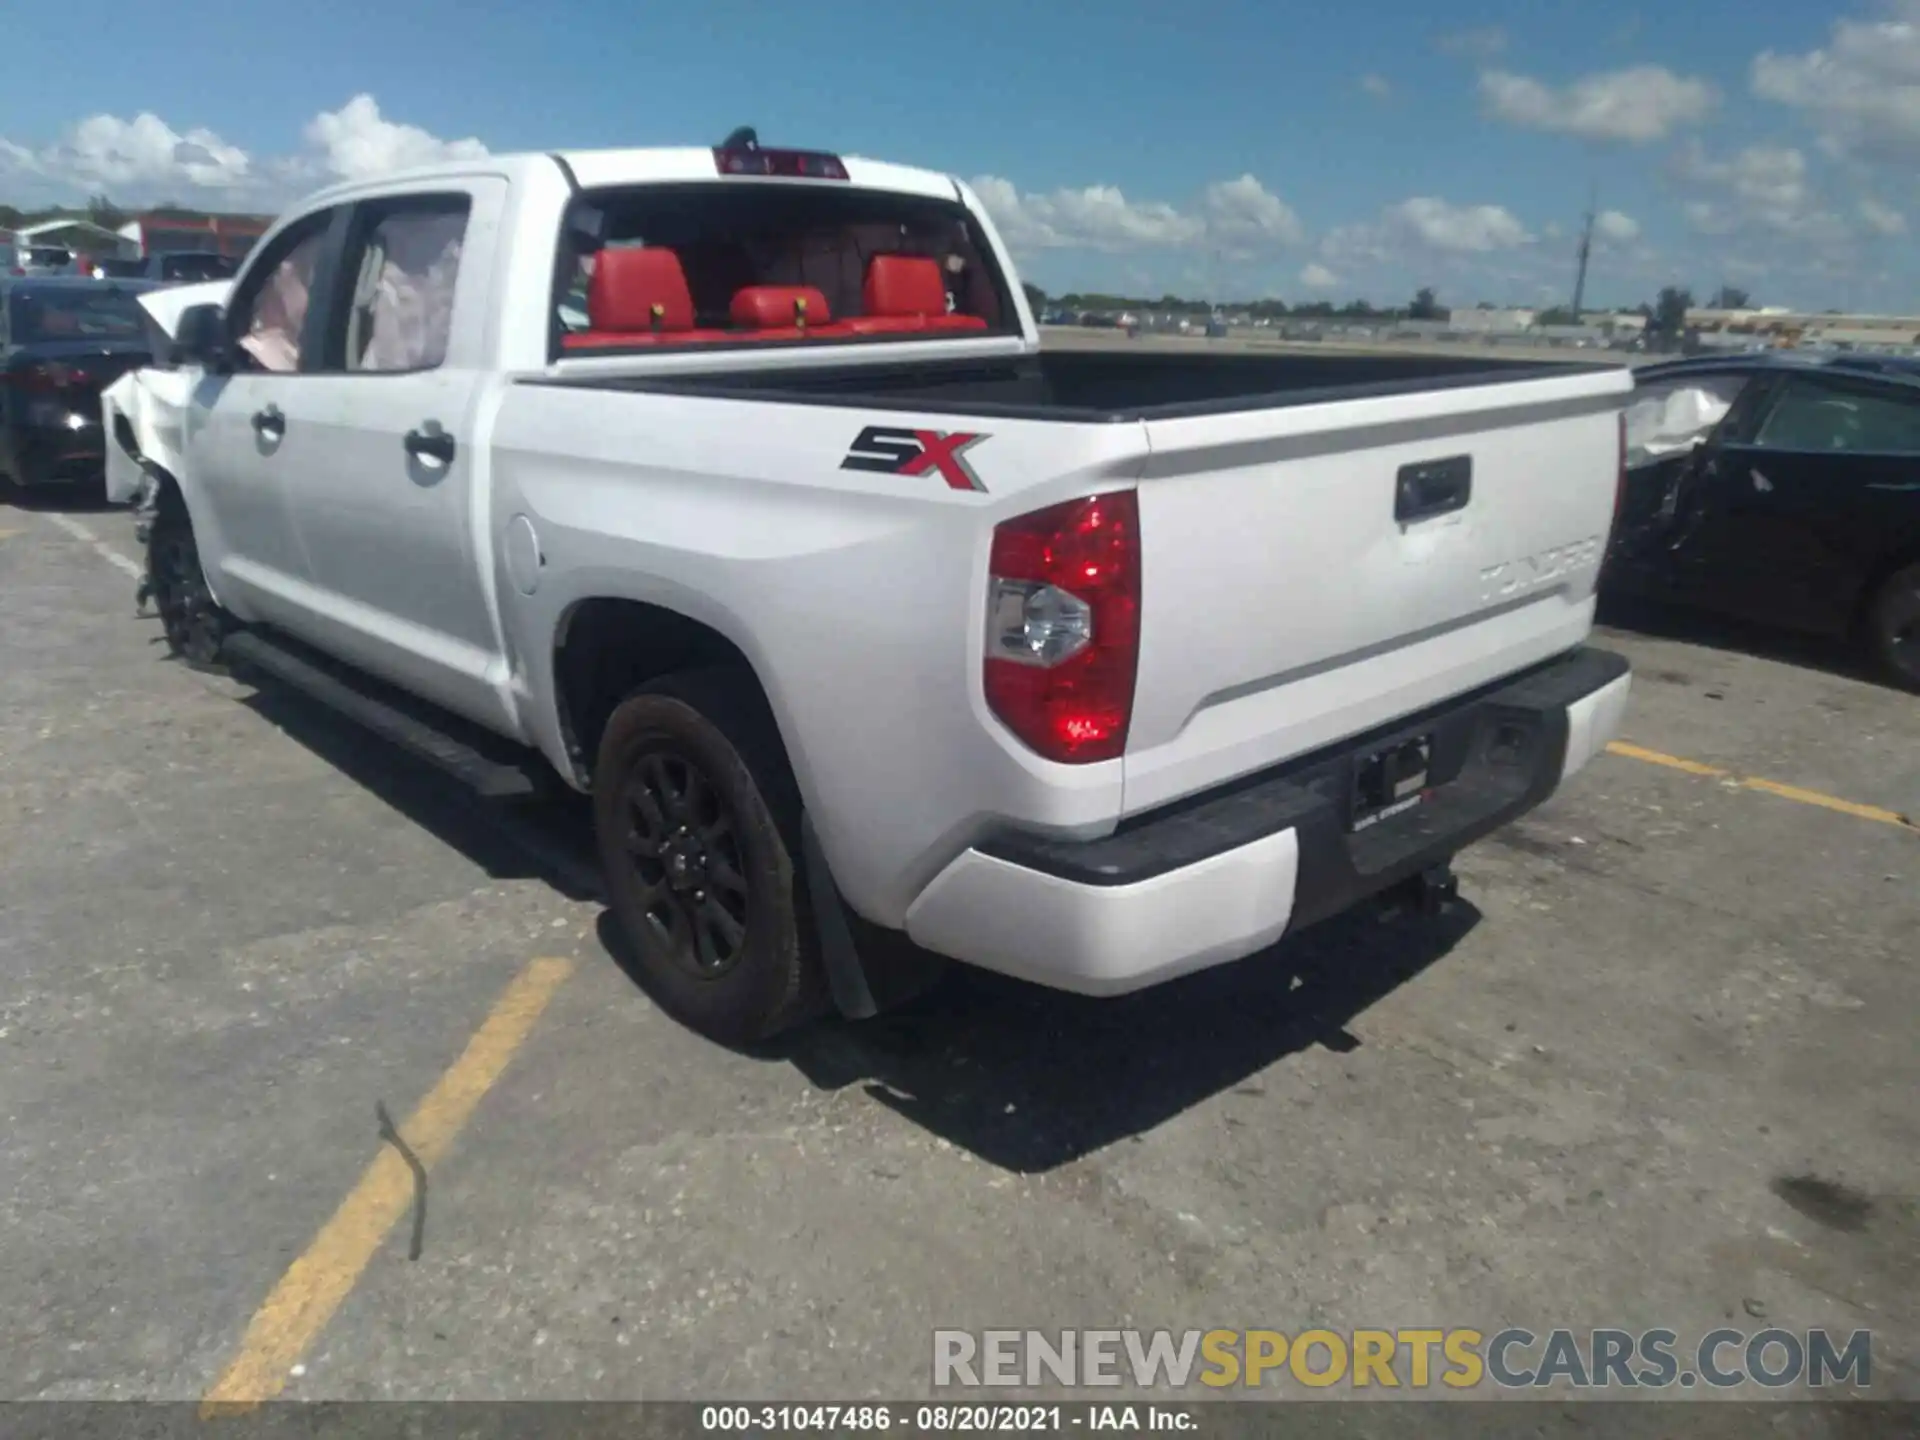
pixel 200 338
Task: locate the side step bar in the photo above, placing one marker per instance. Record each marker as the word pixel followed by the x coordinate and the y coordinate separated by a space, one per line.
pixel 399 719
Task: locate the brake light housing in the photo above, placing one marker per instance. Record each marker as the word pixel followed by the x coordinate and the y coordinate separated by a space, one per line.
pixel 1063 627
pixel 40 377
pixel 786 164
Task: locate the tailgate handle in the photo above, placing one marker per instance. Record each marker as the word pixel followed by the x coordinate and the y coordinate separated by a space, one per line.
pixel 1433 487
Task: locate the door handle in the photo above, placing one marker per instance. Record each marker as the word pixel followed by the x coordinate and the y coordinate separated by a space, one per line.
pixel 430 441
pixel 270 422
pixel 1433 487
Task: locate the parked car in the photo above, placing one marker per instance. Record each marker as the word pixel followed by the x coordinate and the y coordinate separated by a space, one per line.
pixel 62 340
pixel 1783 489
pixel 879 634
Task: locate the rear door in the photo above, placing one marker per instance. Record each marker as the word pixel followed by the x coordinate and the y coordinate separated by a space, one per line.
pixel 384 499
pixel 1314 570
pixel 1801 500
pixel 247 431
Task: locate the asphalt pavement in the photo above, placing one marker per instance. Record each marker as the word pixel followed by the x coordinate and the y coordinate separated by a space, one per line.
pixel 1658 1068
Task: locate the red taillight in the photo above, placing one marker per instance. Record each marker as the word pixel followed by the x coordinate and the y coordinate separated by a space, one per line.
pixel 1063 626
pixel 38 377
pixel 792 164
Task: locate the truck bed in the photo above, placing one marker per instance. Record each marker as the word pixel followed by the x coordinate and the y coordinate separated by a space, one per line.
pixel 1099 386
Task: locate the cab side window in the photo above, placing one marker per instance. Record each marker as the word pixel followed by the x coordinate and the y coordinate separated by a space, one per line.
pixel 268 318
pixel 403 262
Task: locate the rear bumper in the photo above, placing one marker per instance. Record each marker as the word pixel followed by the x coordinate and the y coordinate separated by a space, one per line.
pixel 1221 875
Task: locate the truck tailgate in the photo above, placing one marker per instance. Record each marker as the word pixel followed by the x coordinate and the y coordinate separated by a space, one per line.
pixel 1312 571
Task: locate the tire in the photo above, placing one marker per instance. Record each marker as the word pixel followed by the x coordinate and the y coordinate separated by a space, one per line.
pixel 195 626
pixel 697 819
pixel 1893 628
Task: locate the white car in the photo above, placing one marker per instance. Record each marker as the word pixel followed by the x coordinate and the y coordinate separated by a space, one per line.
pixel 878 633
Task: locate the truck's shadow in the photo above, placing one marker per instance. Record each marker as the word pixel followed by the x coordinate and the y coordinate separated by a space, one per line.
pixel 1658 620
pixel 1030 1079
pixel 1025 1078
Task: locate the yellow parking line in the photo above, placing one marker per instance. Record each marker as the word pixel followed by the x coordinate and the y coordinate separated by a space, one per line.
pixel 1654 757
pixel 293 1316
pixel 1769 787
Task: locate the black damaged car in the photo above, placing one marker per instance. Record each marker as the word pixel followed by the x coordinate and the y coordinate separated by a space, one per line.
pixel 1780 490
pixel 62 341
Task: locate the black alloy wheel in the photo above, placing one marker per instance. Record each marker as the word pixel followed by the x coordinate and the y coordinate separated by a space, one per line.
pixel 697 818
pixel 685 853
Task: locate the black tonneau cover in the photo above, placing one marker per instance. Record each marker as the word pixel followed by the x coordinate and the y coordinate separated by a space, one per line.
pixel 1097 385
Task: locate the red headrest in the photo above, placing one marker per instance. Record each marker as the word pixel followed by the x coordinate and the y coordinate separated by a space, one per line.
pixel 637 290
pixel 768 307
pixel 905 285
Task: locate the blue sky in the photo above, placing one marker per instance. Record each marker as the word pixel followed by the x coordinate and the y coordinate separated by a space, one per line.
pixel 1214 146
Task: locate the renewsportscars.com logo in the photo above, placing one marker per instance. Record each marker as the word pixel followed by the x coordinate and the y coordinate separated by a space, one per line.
pixel 1457 1359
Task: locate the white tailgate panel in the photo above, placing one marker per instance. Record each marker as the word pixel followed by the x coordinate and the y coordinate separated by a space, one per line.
pixel 1284 608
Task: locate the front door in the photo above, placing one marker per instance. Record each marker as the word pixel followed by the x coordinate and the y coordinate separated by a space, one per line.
pixel 244 434
pixel 385 500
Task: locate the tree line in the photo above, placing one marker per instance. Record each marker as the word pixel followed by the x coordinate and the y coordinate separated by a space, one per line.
pixel 1665 314
pixel 99 209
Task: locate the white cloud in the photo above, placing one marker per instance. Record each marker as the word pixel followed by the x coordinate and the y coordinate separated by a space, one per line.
pixel 106 152
pixel 1861 91
pixel 1763 188
pixel 1422 229
pixel 1614 228
pixel 1244 215
pixel 1635 106
pixel 146 159
pixel 1881 218
pixel 1241 216
pixel 1462 229
pixel 1378 86
pixel 356 142
pixel 1318 277
pixel 1481 43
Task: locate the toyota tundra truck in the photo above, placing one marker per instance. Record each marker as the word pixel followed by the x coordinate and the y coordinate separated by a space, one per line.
pixel 733 487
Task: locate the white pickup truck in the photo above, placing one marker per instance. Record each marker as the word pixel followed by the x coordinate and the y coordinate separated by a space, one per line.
pixel 734 487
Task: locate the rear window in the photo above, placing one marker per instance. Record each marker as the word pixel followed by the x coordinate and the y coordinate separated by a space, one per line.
pixel 80 312
pixel 48 255
pixel 751 263
pixel 192 268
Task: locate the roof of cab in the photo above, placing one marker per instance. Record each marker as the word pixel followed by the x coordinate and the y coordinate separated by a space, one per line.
pixel 595 169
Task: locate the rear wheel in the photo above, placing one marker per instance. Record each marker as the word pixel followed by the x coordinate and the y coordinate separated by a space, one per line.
pixel 1895 627
pixel 195 625
pixel 697 819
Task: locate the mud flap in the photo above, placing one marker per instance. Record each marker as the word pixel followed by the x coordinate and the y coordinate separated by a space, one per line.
pixel 869 969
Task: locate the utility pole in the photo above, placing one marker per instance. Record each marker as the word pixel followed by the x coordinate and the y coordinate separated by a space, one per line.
pixel 1586 250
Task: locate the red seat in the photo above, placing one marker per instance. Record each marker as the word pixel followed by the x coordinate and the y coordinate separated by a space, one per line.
pixel 783 312
pixel 639 296
pixel 905 294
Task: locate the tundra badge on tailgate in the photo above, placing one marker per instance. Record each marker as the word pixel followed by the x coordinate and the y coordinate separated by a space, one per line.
pixel 891 451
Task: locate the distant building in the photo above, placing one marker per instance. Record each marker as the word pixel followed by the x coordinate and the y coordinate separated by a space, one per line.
pixel 1719 329
pixel 82 237
pixel 1492 322
pixel 1621 326
pixel 229 235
